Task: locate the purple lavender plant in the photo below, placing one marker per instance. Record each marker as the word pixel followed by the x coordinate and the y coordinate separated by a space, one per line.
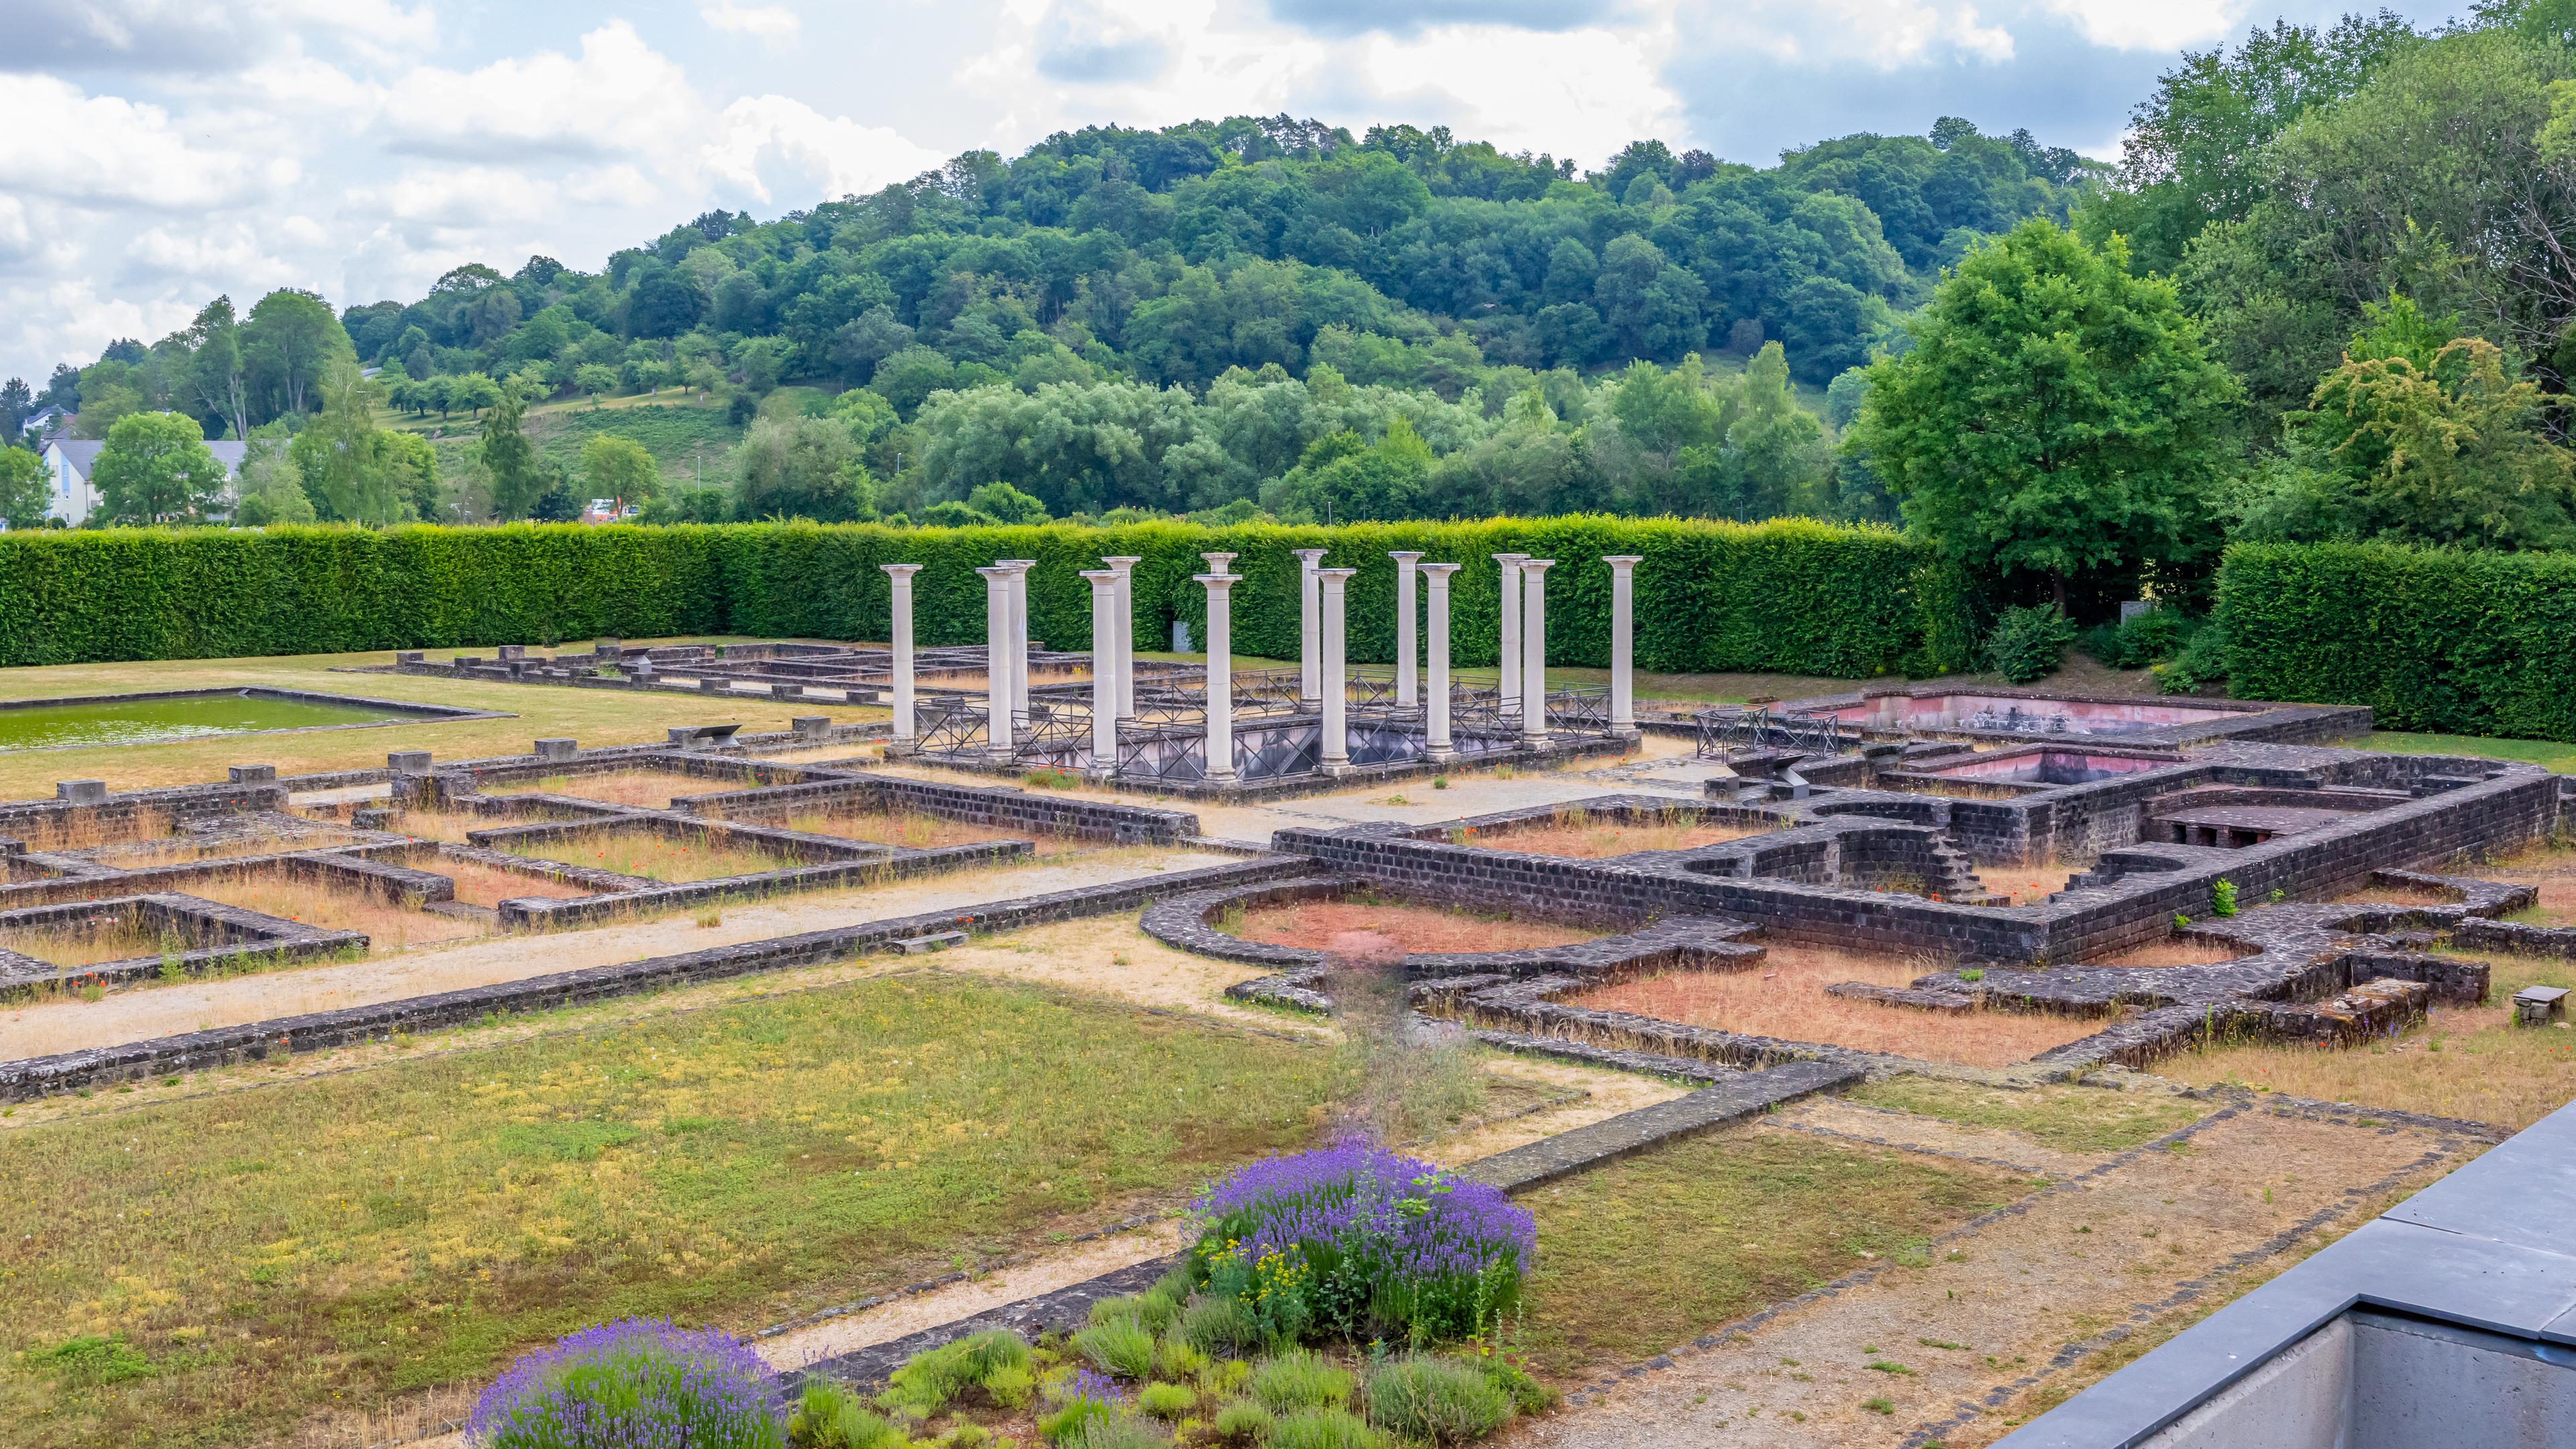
pixel 1388 1244
pixel 633 1384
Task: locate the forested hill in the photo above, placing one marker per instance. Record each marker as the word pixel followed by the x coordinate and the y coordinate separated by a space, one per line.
pixel 1404 258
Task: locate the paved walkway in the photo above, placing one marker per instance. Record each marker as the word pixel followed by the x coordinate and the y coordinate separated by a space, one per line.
pixel 71 1024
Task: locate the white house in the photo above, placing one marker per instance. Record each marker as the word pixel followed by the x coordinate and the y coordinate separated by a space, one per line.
pixel 71 459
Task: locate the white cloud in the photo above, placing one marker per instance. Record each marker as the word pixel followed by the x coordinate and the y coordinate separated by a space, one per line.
pixel 762 137
pixel 775 24
pixel 618 95
pixel 2127 25
pixel 1583 93
pixel 105 150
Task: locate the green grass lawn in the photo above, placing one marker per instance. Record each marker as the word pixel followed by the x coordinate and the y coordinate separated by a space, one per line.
pixel 2552 755
pixel 2071 1119
pixel 210 1271
pixel 1651 1252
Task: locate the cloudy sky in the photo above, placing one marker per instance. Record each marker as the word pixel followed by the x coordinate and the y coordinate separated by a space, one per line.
pixel 158 152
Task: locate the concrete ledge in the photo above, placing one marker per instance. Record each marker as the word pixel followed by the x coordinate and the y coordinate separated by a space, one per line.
pixel 1628 1133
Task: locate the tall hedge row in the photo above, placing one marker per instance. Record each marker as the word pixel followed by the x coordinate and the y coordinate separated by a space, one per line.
pixel 1791 596
pixel 2461 643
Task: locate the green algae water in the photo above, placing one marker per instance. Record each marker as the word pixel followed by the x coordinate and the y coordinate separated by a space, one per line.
pixel 147 720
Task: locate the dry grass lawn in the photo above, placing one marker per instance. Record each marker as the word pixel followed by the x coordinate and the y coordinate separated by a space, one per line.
pixel 915 830
pixel 1650 1252
pixel 2552 869
pixel 1366 928
pixel 388 927
pixel 652 789
pixel 212 1270
pixel 120 937
pixel 2028 885
pixel 2470 1062
pixel 593 716
pixel 1783 995
pixel 1581 835
pixel 478 884
pixel 692 855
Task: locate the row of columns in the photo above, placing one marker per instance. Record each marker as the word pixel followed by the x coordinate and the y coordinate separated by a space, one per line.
pixel 1324 669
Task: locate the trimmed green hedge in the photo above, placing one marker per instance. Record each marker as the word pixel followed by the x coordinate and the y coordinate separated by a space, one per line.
pixel 1787 597
pixel 2452 642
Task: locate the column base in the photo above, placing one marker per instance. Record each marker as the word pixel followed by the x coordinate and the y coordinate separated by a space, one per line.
pixel 1626 732
pixel 895 748
pixel 1337 768
pixel 1218 777
pixel 1440 755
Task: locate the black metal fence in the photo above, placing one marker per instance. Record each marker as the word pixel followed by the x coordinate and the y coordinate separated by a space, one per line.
pixel 1733 727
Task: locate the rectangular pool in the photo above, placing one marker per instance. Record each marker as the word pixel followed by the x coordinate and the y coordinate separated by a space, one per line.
pixel 145 719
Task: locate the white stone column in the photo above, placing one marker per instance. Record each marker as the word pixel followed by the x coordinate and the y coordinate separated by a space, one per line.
pixel 1124 565
pixel 1104 676
pixel 1508 657
pixel 1019 632
pixel 997 661
pixel 1336 744
pixel 1405 697
pixel 901 629
pixel 1435 712
pixel 1623 642
pixel 1309 645
pixel 1534 648
pixel 1220 674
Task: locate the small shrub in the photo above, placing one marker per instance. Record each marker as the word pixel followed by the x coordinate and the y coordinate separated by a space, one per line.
pixel 2151 638
pixel 635 1381
pixel 1075 1402
pixel 1527 1394
pixel 1973 973
pixel 2222 898
pixel 1879 1405
pixel 2181 920
pixel 832 1416
pixel 1300 1381
pixel 931 1380
pixel 1242 1421
pixel 1116 1431
pixel 1436 1399
pixel 1051 779
pixel 1179 1361
pixel 1167 1401
pixel 1010 1387
pixel 1439 782
pixel 1324 1429
pixel 1157 1308
pixel 1220 1326
pixel 2028 643
pixel 1120 1346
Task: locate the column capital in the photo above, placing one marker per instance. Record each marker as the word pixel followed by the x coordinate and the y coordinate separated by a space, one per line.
pixel 1310 555
pixel 1509 558
pixel 1216 562
pixel 1401 554
pixel 1101 576
pixel 1217 583
pixel 1537 565
pixel 901 571
pixel 1623 560
pixel 997 571
pixel 1336 575
pixel 1122 562
pixel 1443 569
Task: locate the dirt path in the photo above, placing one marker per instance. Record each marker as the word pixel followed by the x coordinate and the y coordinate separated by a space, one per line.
pixel 70 1024
pixel 2016 1301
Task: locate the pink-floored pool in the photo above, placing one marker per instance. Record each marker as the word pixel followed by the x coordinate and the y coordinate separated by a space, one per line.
pixel 2027 714
pixel 2045 765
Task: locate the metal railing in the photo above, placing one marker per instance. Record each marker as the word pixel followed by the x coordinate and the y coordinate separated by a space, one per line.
pixel 1580 709
pixel 1733 727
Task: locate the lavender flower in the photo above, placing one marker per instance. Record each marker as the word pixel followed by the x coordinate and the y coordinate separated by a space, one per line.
pixel 1378 1236
pixel 633 1384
